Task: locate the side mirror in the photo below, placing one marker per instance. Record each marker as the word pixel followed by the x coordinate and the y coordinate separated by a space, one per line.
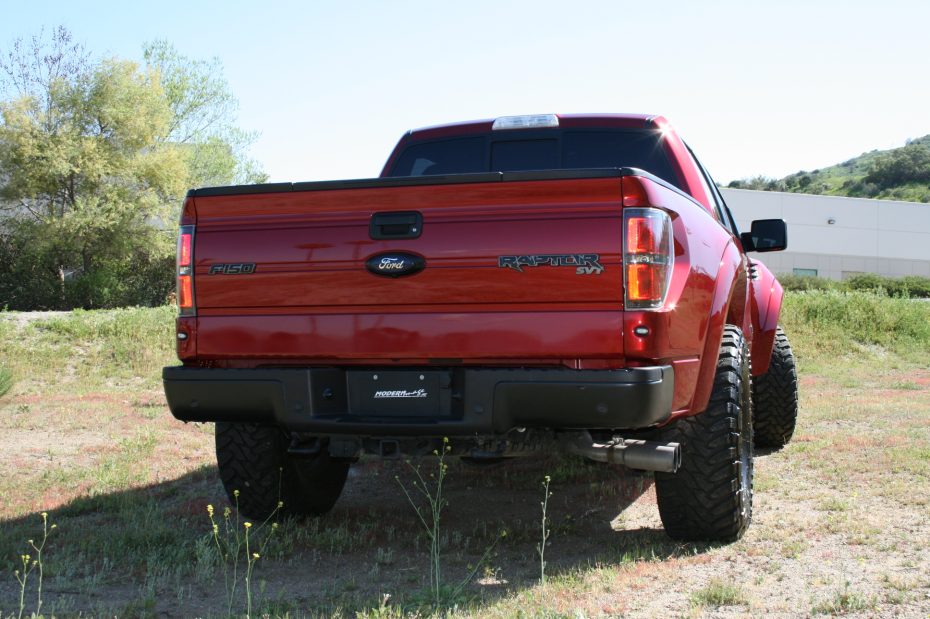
pixel 766 235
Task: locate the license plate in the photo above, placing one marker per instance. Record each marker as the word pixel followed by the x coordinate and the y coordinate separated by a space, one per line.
pixel 394 393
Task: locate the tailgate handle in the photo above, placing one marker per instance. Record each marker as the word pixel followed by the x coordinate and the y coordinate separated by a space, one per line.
pixel 400 225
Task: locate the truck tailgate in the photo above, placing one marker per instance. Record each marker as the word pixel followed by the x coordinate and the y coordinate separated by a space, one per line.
pixel 311 297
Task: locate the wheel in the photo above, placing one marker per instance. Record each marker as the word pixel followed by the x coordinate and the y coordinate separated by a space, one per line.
pixel 710 497
pixel 253 460
pixel 775 397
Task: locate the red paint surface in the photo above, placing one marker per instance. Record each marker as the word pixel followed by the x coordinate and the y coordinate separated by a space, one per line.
pixel 311 301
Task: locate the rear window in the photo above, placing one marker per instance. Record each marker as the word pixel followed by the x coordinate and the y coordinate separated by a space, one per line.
pixel 459 156
pixel 554 151
pixel 525 155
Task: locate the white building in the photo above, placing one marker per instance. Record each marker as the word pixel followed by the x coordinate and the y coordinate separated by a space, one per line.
pixel 837 237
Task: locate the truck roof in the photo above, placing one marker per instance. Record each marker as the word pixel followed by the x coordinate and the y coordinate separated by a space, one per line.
pixel 621 121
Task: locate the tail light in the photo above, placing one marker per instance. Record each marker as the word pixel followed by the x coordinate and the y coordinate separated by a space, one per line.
pixel 186 271
pixel 648 257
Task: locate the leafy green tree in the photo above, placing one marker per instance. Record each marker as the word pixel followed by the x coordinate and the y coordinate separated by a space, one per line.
pixel 203 111
pixel 910 164
pixel 95 158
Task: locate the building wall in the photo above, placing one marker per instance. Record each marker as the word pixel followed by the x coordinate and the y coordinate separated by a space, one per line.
pixel 838 237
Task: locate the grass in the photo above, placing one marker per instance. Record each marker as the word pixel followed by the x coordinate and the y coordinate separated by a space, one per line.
pixel 909 286
pixel 6 381
pixel 88 439
pixel 826 326
pixel 89 350
pixel 844 602
pixel 720 593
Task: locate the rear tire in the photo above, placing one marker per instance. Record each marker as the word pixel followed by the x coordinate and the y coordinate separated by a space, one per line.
pixel 710 497
pixel 253 460
pixel 775 397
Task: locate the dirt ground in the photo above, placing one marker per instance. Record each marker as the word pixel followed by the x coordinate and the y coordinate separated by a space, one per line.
pixel 841 523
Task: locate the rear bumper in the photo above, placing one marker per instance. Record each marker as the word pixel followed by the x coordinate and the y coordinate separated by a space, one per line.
pixel 470 400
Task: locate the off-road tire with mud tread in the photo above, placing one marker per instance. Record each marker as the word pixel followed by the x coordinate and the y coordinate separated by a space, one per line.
pixel 710 497
pixel 775 397
pixel 253 459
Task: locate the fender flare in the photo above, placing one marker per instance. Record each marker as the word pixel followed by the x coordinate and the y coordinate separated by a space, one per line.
pixel 722 311
pixel 770 294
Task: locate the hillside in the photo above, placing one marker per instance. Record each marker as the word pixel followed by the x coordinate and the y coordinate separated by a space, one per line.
pixel 897 174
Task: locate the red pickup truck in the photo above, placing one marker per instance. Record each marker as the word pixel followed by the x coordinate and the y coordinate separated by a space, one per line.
pixel 543 282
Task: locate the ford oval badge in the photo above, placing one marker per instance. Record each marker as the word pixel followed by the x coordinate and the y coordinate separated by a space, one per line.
pixel 395 264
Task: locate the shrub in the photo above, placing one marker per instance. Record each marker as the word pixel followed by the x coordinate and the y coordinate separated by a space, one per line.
pixel 135 269
pixel 911 286
pixel 901 166
pixel 867 281
pixel 808 282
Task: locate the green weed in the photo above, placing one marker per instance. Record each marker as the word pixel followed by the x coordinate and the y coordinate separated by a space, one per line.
pixel 719 593
pixel 235 540
pixel 844 601
pixel 430 517
pixel 6 381
pixel 33 563
pixel 544 524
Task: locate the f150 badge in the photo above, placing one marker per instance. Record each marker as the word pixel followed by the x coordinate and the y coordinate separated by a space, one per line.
pixel 584 264
pixel 236 268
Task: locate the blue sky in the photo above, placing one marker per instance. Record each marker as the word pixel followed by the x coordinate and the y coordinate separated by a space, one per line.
pixel 755 88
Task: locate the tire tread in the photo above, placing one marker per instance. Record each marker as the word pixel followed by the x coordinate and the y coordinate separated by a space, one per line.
pixel 253 459
pixel 702 500
pixel 775 397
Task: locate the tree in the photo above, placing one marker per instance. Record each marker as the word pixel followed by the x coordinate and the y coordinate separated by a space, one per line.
pixel 910 164
pixel 95 158
pixel 88 176
pixel 203 111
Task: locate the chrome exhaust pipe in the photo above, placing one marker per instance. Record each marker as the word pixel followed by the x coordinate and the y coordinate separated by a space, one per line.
pixel 633 454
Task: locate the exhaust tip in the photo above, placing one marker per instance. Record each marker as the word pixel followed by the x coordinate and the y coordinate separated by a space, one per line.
pixel 634 454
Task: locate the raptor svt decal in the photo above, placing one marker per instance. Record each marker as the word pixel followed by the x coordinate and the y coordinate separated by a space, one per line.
pixel 584 264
